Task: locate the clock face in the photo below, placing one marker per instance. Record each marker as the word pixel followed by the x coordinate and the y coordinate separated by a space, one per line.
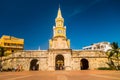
pixel 59 31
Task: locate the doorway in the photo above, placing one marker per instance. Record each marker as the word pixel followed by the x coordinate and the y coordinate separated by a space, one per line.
pixel 33 65
pixel 84 64
pixel 59 62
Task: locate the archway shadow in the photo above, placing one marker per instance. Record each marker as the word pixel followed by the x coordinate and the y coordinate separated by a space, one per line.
pixel 33 65
pixel 84 64
pixel 59 62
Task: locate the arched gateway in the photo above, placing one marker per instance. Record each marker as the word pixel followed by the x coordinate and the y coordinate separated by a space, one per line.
pixel 84 64
pixel 59 62
pixel 34 65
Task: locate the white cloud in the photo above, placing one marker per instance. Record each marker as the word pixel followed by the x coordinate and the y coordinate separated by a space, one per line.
pixel 75 12
pixel 80 8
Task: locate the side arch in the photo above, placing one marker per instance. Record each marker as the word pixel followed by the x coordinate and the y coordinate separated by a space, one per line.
pixel 33 65
pixel 84 64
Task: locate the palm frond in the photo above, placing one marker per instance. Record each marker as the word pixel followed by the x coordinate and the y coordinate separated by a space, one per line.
pixel 114 45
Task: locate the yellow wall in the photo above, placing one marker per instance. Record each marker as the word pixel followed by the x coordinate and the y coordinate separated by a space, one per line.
pixel 11 44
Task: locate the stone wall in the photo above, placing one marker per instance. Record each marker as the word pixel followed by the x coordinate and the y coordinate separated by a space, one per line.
pixel 46 59
pixel 24 59
pixel 96 59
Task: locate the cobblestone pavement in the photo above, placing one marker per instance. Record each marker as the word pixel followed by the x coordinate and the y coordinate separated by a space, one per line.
pixel 61 75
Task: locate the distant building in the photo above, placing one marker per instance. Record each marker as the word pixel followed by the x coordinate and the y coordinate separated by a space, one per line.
pixel 103 46
pixel 11 44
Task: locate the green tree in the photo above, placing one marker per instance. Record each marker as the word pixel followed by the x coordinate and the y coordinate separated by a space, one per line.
pixel 114 55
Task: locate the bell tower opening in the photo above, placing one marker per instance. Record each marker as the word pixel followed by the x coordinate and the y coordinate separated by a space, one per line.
pixel 59 62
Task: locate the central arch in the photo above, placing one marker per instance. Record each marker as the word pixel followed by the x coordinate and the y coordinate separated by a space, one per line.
pixel 59 62
pixel 33 65
pixel 84 64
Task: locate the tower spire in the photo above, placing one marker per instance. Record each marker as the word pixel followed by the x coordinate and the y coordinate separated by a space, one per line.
pixel 59 15
pixel 59 40
pixel 59 19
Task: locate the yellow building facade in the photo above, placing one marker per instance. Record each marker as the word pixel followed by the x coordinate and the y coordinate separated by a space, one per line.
pixel 11 44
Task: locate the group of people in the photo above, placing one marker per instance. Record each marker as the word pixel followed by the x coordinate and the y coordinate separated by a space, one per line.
pixel 60 67
pixel 16 68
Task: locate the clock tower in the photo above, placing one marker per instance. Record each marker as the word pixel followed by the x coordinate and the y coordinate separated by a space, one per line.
pixel 59 40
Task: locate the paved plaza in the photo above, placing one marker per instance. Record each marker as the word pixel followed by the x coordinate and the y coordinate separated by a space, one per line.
pixel 61 75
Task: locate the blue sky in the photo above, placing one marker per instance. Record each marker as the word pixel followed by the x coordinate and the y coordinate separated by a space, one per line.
pixel 87 21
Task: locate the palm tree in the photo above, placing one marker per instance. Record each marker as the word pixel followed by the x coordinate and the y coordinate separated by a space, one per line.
pixel 114 54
